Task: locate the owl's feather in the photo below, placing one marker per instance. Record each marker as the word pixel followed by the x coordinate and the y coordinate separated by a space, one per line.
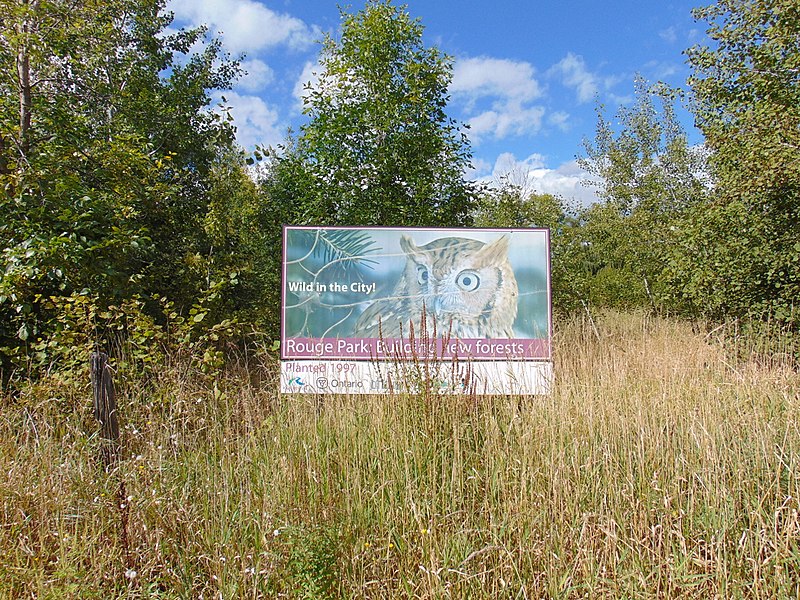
pixel 464 286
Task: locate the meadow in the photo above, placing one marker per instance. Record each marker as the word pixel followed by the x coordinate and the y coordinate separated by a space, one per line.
pixel 665 464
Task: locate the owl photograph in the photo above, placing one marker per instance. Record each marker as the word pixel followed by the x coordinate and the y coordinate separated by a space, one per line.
pixel 358 283
pixel 464 287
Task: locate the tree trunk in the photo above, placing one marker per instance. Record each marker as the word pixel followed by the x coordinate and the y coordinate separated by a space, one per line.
pixel 24 81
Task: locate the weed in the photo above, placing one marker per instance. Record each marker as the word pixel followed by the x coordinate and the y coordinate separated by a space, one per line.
pixel 658 467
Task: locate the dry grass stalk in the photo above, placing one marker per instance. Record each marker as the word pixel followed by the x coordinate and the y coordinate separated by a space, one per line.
pixel 657 468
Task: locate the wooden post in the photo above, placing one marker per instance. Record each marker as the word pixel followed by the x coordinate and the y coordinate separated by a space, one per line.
pixel 105 409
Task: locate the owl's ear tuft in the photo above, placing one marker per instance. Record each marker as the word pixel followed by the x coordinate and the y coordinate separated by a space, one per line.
pixel 492 253
pixel 408 245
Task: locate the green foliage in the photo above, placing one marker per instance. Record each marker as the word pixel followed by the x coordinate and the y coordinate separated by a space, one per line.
pixel 106 149
pixel 733 263
pixel 649 177
pixel 511 205
pixel 141 334
pixel 312 562
pixel 646 165
pixel 746 97
pixel 240 254
pixel 746 100
pixel 379 148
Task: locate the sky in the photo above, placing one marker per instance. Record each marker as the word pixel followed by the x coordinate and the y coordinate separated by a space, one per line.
pixel 527 75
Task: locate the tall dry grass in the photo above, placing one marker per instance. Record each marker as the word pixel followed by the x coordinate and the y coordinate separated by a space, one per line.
pixel 658 468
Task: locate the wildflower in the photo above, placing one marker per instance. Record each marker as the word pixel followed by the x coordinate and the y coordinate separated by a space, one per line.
pixel 130 574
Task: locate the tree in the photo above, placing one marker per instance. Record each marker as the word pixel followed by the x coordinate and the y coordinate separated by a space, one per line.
pixel 649 177
pixel 746 101
pixel 378 148
pixel 106 149
pixel 746 96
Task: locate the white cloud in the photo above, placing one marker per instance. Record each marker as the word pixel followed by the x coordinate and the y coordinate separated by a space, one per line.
pixel 574 74
pixel 258 75
pixel 309 77
pixel 534 176
pixel 479 168
pixel 559 119
pixel 495 77
pixel 256 122
pixel 245 25
pixel 508 87
pixel 504 120
pixel 661 70
pixel 695 36
pixel 669 35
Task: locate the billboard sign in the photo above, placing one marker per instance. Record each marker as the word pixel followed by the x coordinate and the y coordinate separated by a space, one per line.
pixel 358 300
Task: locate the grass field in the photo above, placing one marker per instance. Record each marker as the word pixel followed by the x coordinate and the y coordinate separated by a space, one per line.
pixel 660 467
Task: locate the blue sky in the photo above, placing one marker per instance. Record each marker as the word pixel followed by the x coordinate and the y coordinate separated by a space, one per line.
pixel 527 75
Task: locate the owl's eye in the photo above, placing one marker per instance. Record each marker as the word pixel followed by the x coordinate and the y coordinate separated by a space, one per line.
pixel 422 274
pixel 468 281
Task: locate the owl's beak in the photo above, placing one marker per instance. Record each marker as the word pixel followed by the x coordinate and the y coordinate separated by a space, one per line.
pixel 437 306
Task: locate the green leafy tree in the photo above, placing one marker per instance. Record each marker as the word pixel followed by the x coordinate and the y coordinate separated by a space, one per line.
pixel 746 101
pixel 512 205
pixel 649 177
pixel 106 150
pixel 379 148
pixel 283 184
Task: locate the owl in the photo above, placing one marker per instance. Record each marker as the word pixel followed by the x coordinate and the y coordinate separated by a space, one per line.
pixel 467 287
